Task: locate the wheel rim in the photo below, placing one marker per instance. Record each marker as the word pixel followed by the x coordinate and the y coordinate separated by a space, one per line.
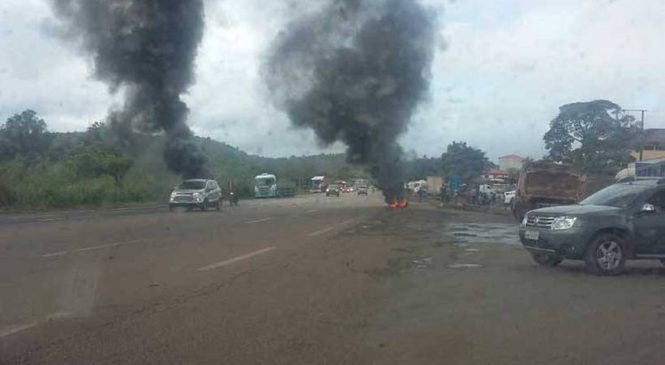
pixel 609 255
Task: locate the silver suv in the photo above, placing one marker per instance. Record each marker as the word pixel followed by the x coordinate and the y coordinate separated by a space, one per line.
pixel 196 193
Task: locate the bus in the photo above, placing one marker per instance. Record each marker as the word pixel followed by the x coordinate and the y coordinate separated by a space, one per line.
pixel 318 184
pixel 265 186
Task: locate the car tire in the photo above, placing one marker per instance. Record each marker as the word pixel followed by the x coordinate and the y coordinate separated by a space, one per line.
pixel 606 255
pixel 204 206
pixel 218 205
pixel 547 259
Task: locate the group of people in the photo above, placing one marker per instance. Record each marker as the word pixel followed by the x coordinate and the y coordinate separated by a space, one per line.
pixel 471 195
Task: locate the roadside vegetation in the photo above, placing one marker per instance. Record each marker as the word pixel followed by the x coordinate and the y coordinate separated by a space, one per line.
pixel 43 169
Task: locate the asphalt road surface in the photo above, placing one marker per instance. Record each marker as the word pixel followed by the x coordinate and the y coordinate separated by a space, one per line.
pixel 309 280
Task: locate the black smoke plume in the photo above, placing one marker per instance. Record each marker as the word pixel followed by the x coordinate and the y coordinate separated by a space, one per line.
pixel 354 72
pixel 146 47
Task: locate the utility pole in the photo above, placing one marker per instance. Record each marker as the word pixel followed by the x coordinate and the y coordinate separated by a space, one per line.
pixel 642 111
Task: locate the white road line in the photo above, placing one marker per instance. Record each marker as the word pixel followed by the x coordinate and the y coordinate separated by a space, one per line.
pixel 462 266
pixel 114 244
pixel 53 254
pixel 235 259
pixel 312 211
pixel 10 330
pixel 346 222
pixel 321 231
pixel 259 220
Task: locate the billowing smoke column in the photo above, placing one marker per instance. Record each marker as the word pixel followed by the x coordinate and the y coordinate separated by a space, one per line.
pixel 147 47
pixel 354 72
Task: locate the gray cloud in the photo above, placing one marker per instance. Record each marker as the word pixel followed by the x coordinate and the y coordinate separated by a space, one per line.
pixel 508 66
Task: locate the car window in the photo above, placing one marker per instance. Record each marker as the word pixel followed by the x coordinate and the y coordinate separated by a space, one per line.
pixel 619 195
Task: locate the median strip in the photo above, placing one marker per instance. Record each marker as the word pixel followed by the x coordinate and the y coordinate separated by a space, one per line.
pixel 235 259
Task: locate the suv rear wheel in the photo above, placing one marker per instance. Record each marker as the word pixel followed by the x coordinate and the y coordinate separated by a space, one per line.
pixel 606 255
pixel 547 259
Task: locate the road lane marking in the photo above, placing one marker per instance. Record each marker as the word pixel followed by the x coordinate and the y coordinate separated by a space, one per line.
pixel 312 211
pixel 321 231
pixel 346 222
pixel 53 254
pixel 10 330
pixel 114 244
pixel 462 266
pixel 235 259
pixel 259 220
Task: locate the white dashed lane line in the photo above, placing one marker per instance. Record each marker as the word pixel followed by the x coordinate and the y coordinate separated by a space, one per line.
pixel 259 221
pixel 235 259
pixel 319 232
pixel 92 248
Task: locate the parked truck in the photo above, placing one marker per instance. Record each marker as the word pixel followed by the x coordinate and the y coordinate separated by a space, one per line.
pixel 545 184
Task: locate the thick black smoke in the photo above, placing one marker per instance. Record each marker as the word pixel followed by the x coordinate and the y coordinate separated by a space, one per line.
pixel 147 47
pixel 354 72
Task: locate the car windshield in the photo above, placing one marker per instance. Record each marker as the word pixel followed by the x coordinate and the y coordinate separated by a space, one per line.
pixel 619 195
pixel 192 185
pixel 265 181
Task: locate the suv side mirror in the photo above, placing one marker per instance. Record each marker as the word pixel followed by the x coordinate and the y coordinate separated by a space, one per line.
pixel 648 208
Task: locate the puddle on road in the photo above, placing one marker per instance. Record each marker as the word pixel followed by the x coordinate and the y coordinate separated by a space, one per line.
pixel 474 233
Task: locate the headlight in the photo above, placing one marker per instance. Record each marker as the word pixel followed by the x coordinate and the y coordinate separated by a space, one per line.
pixel 561 223
pixel 173 195
pixel 197 196
pixel 524 220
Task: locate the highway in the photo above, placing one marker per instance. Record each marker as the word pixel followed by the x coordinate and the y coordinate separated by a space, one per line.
pixel 308 280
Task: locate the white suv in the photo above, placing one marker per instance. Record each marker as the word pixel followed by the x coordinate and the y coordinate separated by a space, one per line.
pixel 196 193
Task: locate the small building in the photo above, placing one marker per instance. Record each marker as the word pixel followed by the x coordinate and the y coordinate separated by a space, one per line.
pixel 509 162
pixel 654 145
pixel 651 168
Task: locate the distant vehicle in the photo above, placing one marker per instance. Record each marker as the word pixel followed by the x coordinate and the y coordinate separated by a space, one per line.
pixel 233 198
pixel 318 184
pixel 415 186
pixel 622 221
pixel 508 197
pixel 362 190
pixel 196 193
pixel 266 186
pixel 544 184
pixel 332 190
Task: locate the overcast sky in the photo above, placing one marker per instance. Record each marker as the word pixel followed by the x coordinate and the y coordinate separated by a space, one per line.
pixel 501 70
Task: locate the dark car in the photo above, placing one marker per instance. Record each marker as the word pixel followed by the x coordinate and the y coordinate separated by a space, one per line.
pixel 332 190
pixel 622 221
pixel 199 193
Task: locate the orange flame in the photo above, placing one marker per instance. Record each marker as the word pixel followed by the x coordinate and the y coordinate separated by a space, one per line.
pixel 399 204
